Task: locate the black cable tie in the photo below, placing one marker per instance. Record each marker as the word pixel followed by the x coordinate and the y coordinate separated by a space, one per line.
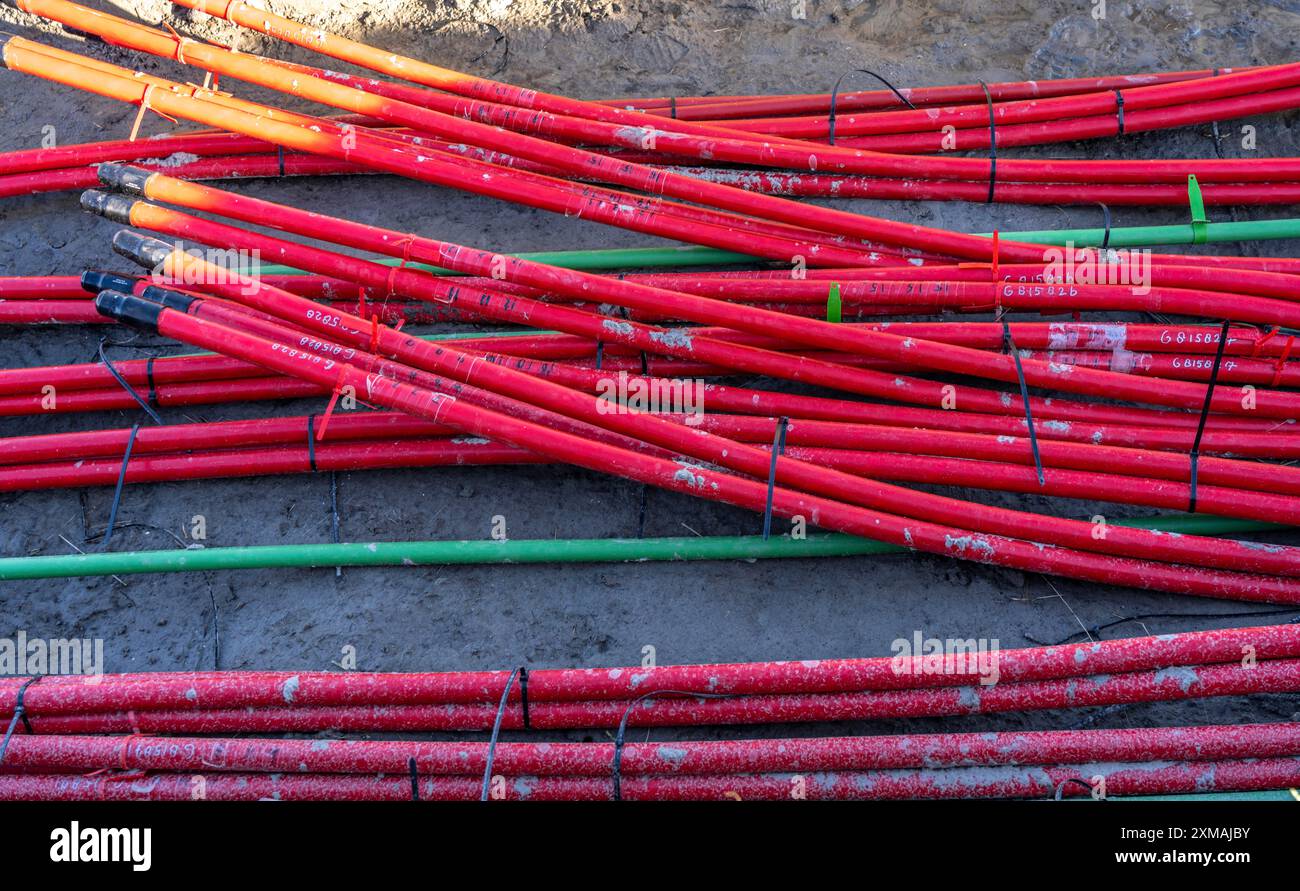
pixel 627 316
pixel 778 447
pixel 1214 130
pixel 117 376
pixel 830 118
pixel 1060 787
pixel 1119 110
pixel 600 353
pixel 1010 346
pixel 1105 238
pixel 672 106
pixel 334 515
pixel 640 517
pixel 153 386
pixel 20 714
pixel 992 143
pixel 415 779
pixel 523 694
pixel 121 483
pixel 616 768
pixel 279 151
pixel 334 506
pixel 496 732
pixel 311 443
pixel 1205 414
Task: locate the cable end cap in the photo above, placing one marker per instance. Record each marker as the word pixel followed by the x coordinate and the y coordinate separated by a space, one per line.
pixel 96 280
pixel 129 310
pixel 105 204
pixel 177 300
pixel 123 177
pixel 147 252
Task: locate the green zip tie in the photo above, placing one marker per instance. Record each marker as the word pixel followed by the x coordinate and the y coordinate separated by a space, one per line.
pixel 1200 223
pixel 834 306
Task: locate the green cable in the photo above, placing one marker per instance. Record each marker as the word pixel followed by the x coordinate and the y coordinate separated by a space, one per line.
pixel 1183 233
pixel 458 335
pixel 588 550
pixel 694 255
pixel 607 258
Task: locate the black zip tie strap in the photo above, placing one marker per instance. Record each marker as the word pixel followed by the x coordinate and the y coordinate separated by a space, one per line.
pixel 1105 238
pixel 153 386
pixel 993 143
pixel 600 353
pixel 778 447
pixel 334 515
pixel 627 316
pixel 117 376
pixel 616 768
pixel 640 517
pixel 1060 787
pixel 415 779
pixel 672 106
pixel 830 118
pixel 20 714
pixel 1205 414
pixel 334 506
pixel 523 695
pixel 311 442
pixel 117 492
pixel 1119 111
pixel 1214 130
pixel 279 151
pixel 496 732
pixel 1010 346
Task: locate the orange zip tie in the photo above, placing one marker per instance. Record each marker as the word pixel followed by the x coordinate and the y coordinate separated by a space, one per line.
pixel 145 106
pixel 180 43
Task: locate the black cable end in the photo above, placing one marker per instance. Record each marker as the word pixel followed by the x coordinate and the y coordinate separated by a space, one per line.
pixel 176 300
pixel 147 252
pixel 96 280
pixel 123 177
pixel 129 310
pixel 112 207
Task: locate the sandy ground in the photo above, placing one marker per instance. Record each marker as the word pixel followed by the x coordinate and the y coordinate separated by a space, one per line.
pixel 499 617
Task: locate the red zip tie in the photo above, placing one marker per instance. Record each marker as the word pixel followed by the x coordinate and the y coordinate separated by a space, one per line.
pixel 125 742
pixel 405 242
pixel 1259 343
pixel 329 409
pixel 997 279
pixel 1281 362
pixel 374 333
